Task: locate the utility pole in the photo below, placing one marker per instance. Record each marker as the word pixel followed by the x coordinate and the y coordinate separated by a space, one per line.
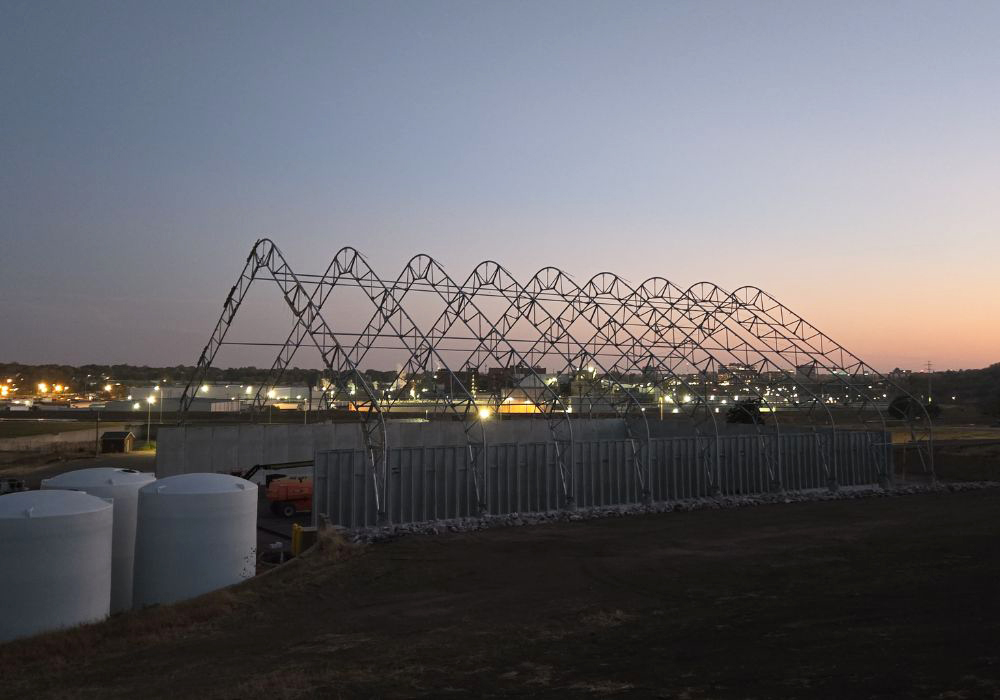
pixel 97 434
pixel 929 367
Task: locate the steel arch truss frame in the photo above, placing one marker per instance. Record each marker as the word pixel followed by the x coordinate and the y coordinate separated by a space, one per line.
pixel 677 340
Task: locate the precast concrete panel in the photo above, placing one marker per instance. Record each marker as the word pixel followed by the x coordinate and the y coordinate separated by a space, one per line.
pixel 225 449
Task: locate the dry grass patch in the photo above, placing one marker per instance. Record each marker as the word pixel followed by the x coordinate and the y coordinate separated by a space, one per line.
pixel 603 688
pixel 162 624
pixel 283 684
pixel 607 618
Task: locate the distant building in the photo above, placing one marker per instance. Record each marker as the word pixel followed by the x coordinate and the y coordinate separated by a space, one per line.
pixel 736 372
pixel 529 390
pixel 807 372
pixel 513 372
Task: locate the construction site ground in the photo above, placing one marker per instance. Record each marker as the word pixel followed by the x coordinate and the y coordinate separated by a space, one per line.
pixel 873 598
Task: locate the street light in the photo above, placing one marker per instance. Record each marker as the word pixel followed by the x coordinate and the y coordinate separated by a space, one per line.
pixel 150 400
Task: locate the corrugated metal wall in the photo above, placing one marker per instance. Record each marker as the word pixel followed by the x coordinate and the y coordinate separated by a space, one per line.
pixel 436 483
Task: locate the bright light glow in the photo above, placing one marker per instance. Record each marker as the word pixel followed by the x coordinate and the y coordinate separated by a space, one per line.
pixel 107 387
pixel 135 406
pixel 204 387
pixel 156 388
pixel 248 389
pixel 687 398
pixel 676 410
pixel 4 390
pixel 150 399
pixel 42 387
pixel 270 394
pixel 484 413
pixel 57 388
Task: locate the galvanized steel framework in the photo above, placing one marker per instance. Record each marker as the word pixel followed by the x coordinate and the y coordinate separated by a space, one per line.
pixel 637 350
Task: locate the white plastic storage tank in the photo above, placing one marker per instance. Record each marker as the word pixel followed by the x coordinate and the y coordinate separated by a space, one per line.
pixel 55 561
pixel 196 533
pixel 122 486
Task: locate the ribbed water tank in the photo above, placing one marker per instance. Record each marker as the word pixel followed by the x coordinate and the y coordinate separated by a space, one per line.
pixel 196 533
pixel 55 561
pixel 122 486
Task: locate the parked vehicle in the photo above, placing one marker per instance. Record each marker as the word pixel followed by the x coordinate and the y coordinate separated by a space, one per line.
pixel 290 495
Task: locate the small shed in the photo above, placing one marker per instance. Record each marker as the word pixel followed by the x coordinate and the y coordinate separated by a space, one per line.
pixel 117 441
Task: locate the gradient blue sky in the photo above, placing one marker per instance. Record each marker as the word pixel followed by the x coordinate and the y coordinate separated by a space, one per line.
pixel 845 156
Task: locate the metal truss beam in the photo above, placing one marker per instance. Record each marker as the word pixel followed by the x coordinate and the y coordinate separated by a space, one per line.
pixel 654 341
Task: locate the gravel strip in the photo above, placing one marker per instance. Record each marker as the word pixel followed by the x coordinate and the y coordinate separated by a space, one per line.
pixel 368 535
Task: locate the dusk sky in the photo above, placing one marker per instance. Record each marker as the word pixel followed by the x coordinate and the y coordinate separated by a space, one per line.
pixel 843 156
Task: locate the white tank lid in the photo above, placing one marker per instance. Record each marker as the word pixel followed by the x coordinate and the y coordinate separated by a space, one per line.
pixel 98 476
pixel 49 504
pixel 185 484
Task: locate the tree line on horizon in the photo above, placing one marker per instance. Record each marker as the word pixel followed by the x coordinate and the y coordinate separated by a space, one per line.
pixel 972 387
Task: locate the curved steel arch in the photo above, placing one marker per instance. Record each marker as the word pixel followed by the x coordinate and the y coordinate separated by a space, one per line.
pixel 651 331
pixel 641 300
pixel 349 264
pixel 825 345
pixel 778 338
pixel 266 255
pixel 553 330
pixel 492 343
pixel 322 290
pixel 763 367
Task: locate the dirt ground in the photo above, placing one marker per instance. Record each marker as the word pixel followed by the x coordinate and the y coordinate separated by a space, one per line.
pixel 876 598
pixel 33 468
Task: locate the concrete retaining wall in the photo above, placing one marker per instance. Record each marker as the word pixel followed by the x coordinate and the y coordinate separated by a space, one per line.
pixel 51 442
pixel 226 448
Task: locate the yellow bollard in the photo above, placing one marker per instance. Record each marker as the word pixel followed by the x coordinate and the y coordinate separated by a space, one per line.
pixel 302 538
